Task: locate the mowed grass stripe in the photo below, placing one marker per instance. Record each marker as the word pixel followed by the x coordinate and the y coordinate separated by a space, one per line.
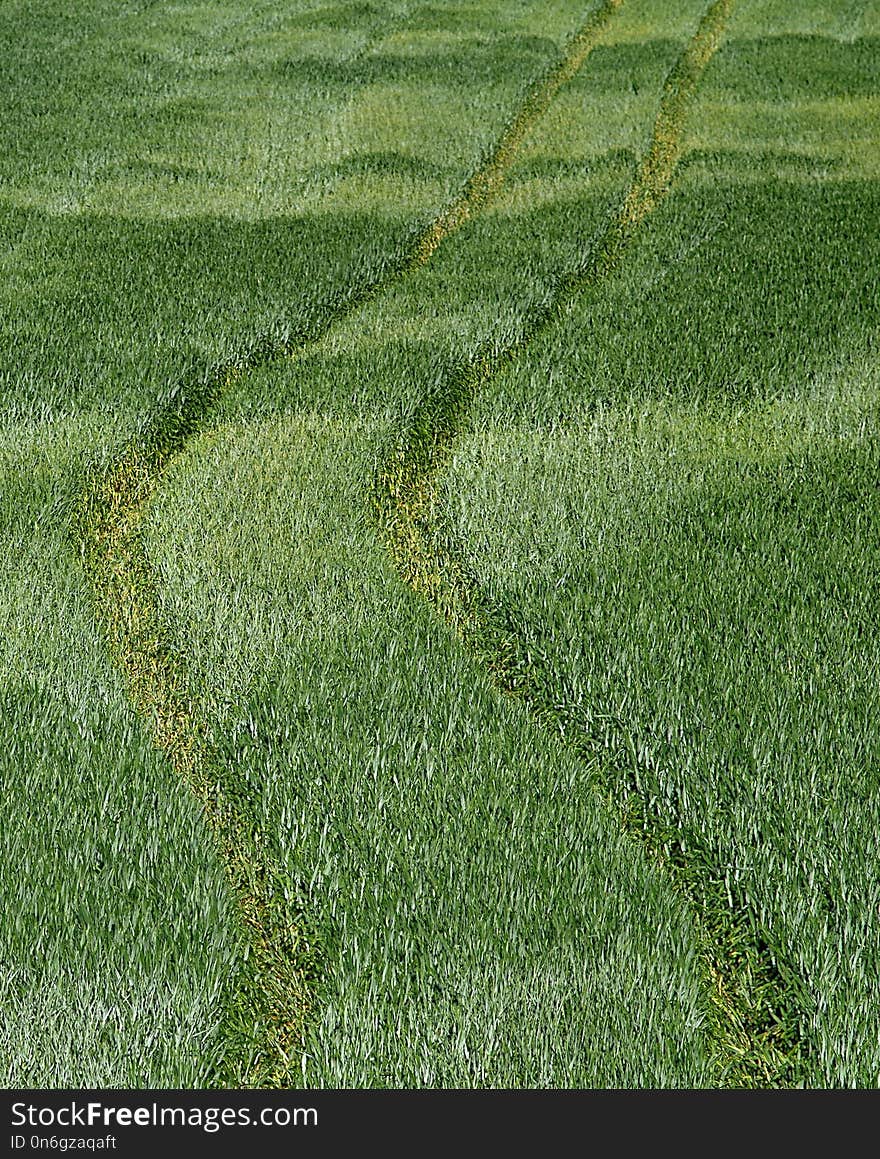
pixel 267 1014
pixel 754 1014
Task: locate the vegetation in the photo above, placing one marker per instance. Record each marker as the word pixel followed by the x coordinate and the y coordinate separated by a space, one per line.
pixel 320 321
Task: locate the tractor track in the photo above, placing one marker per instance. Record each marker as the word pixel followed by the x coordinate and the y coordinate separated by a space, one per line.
pixel 263 1027
pixel 754 1026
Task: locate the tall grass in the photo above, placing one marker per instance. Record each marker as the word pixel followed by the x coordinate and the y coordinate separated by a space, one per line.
pixel 173 183
pixel 667 507
pixel 427 825
pixel 663 505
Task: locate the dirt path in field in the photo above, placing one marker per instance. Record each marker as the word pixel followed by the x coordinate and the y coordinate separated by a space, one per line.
pixel 755 1037
pixel 266 1016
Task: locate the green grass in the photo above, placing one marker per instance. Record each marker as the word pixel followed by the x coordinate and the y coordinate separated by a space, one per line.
pixel 117 938
pixel 162 203
pixel 440 826
pixel 668 505
pixel 650 864
pixel 437 838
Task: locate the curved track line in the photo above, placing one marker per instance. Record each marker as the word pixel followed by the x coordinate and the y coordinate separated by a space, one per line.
pixel 265 1022
pixel 486 182
pixel 753 1019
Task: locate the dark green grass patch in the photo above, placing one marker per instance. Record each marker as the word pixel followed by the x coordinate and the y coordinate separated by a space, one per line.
pixel 795 68
pixel 108 313
pixel 722 300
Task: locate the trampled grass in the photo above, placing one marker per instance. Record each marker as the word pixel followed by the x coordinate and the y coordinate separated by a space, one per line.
pixel 650 865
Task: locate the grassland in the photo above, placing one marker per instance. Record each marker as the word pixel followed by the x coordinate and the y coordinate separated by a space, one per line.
pixel 558 324
pixel 123 281
pixel 667 510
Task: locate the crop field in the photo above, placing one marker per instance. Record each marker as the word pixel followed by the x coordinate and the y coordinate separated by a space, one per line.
pixel 438 482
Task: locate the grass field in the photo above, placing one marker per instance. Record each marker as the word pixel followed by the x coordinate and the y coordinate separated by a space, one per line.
pixel 438 458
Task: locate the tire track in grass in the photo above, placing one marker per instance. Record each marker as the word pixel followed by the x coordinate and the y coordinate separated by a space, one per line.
pixel 264 1023
pixel 753 1016
pixel 487 181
